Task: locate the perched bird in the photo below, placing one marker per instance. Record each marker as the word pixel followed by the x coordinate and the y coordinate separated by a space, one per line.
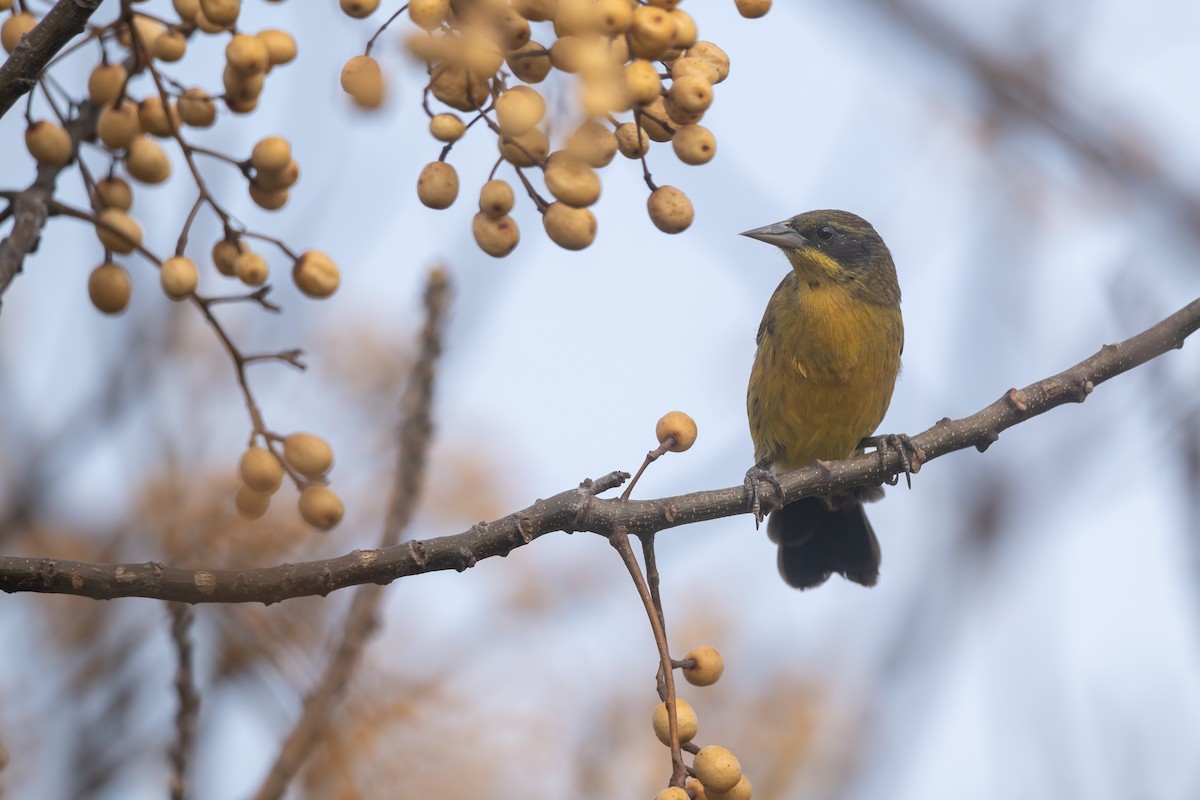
pixel 828 356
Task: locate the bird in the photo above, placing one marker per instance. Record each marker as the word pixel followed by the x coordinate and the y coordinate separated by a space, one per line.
pixel 828 357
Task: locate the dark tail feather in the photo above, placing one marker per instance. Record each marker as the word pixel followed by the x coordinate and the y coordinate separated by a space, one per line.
pixel 816 541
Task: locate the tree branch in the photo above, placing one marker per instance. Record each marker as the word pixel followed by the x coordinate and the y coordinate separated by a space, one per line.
pixel 581 510
pixel 61 24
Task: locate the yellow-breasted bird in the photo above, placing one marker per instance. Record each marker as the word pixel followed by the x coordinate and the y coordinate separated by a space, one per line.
pixel 828 356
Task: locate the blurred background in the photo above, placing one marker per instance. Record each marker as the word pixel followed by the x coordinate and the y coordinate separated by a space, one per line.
pixel 1034 170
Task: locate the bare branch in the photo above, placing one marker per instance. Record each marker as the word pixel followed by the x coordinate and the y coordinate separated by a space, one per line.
pixel 362 619
pixel 189 699
pixel 580 509
pixel 61 24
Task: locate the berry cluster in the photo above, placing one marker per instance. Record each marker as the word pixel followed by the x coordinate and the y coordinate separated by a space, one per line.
pixel 715 773
pixel 118 131
pixel 619 57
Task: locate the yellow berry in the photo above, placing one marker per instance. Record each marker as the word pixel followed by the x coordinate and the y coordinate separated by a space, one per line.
pixel 261 470
pixel 309 455
pixel 613 16
pixel 685 716
pixel 359 8
pixel 271 153
pixel 519 109
pixel 496 198
pixel 680 427
pixel 48 143
pixel 170 46
pixel 268 199
pixel 186 9
pixel 247 55
pixel 530 62
pixel 321 507
pixel 632 140
pixel 593 143
pixel 512 29
pixel 717 768
pixel 672 792
pixel 742 790
pixel 526 150
pixel 105 83
pixel 446 127
pixel 14 28
pixel 690 65
pixel 753 9
pixel 428 14
pixel 251 504
pixel 147 161
pixel 695 789
pixel 651 32
pixel 118 124
pixel 670 209
pixel 114 192
pixel 251 268
pixel 224 256
pixel 683 33
pixel 274 180
pixel 118 231
pixel 363 81
pixel 437 185
pixel 655 121
pixel 642 83
pixel 458 87
pixel 178 277
pixel 694 144
pixel 221 12
pixel 315 274
pixel 715 56
pixel 496 236
pixel 571 181
pixel 568 227
pixel 109 288
pixel 196 108
pixel 157 119
pixel 709 663
pixel 691 93
pixel 535 10
pixel 281 47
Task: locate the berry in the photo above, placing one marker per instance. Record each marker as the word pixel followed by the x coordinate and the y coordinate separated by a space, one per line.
pixel 321 507
pixel 48 143
pixel 717 768
pixel 680 427
pixel 685 717
pixel 363 81
pixel 670 210
pixel 694 144
pixel 114 192
pixel 109 288
pixel 251 268
pixel 496 198
pixel 708 669
pixel 496 235
pixel 251 504
pixel 315 274
pixel 437 185
pixel 118 232
pixel 105 83
pixel 147 161
pixel 570 228
pixel 309 455
pixel 260 470
pixel 178 277
pixel 272 154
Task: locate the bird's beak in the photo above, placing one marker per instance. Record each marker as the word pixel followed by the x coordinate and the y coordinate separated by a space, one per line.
pixel 780 234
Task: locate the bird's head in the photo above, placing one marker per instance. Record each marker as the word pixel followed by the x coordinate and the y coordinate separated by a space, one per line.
pixel 837 246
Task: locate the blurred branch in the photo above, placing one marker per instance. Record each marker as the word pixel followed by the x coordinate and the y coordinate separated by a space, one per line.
pixel 362 619
pixel 580 510
pixel 189 699
pixel 1024 89
pixel 62 23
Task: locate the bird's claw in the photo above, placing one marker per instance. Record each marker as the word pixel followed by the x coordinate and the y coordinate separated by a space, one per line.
pixel 755 476
pixel 911 456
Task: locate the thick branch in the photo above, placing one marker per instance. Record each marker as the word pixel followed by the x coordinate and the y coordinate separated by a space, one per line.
pixel 61 24
pixel 580 509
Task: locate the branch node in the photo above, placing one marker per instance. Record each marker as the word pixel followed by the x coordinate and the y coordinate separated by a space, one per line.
pixel 524 527
pixel 1085 388
pixel 417 550
pixel 669 511
pixel 468 558
pixel 1017 399
pixel 985 440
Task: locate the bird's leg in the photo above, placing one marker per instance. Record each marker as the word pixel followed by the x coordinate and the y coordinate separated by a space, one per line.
pixel 756 475
pixel 911 456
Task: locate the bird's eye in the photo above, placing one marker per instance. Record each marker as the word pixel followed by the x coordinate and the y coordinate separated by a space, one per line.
pixel 825 233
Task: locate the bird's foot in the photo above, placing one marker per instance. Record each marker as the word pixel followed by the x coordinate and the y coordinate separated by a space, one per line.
pixel 911 456
pixel 755 477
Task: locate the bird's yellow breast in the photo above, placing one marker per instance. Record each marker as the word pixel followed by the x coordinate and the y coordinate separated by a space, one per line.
pixel 823 377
